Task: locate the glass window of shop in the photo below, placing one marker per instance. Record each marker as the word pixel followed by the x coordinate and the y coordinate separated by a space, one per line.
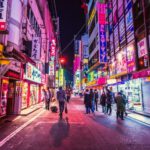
pixel 24 95
pixel 133 91
pixel 146 94
pixel 34 94
pixel 120 8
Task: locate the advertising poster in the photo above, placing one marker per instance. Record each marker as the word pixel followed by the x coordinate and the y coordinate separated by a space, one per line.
pixel 116 37
pixel 129 25
pixel 61 77
pixel 131 58
pixel 121 62
pixel 142 48
pixel 53 48
pixel 112 68
pixel 122 32
pixel 3 100
pixel 51 68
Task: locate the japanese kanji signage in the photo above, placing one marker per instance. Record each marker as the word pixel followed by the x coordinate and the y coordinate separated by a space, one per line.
pixel 36 42
pixel 53 48
pixel 51 68
pixel 3 14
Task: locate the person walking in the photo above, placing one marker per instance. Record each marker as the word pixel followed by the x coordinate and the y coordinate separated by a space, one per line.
pixel 120 106
pixel 92 108
pixel 96 99
pixel 87 101
pixel 103 102
pixel 68 93
pixel 61 97
pixel 124 100
pixel 48 97
pixel 109 101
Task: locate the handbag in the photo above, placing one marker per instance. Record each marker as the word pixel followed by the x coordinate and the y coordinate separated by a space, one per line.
pixel 66 109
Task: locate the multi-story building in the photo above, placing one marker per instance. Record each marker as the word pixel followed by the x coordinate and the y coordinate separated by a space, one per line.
pixel 97 44
pixel 28 41
pixel 129 45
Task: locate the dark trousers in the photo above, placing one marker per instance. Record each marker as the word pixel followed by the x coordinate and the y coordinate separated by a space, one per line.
pixel 47 104
pixel 61 107
pixel 96 105
pixel 109 109
pixel 119 114
pixel 68 98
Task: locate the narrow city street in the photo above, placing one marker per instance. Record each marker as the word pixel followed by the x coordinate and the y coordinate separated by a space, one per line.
pixel 43 130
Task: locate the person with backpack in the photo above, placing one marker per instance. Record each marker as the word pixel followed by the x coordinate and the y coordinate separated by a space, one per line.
pixel 61 97
pixel 87 101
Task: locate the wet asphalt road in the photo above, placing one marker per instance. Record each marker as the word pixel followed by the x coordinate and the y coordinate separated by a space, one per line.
pixel 43 130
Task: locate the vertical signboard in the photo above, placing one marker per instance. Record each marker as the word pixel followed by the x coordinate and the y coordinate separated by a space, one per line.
pixel 116 38
pixel 53 48
pixel 61 77
pixel 101 7
pixel 51 68
pixel 122 32
pixel 3 14
pixel 129 25
pixel 36 45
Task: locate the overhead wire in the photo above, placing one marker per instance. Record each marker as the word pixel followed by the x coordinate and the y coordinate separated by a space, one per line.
pixel 76 35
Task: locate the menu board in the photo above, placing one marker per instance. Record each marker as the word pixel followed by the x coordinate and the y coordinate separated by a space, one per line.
pixel 131 58
pixel 121 62
pixel 122 32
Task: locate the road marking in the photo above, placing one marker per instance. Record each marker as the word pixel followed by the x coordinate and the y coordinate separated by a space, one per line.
pixel 10 136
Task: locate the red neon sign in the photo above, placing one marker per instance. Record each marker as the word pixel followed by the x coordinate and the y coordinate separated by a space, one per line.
pixel 53 47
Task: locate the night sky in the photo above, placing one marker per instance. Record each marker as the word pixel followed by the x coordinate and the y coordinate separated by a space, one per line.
pixel 72 19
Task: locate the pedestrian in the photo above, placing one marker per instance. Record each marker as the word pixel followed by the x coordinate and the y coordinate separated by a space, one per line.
pixel 124 100
pixel 109 99
pixel 120 106
pixel 43 97
pixel 92 106
pixel 103 102
pixel 61 97
pixel 48 97
pixel 68 93
pixel 96 98
pixel 87 101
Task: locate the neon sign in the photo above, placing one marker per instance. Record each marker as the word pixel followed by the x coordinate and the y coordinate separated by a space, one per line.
pixel 53 47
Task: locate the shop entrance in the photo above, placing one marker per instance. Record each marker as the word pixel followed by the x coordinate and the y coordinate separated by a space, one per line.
pixel 11 97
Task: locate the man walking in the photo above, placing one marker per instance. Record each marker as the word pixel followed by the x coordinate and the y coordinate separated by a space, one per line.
pixel 61 97
pixel 96 98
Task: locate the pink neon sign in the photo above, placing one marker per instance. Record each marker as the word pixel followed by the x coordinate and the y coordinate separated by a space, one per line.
pixel 53 47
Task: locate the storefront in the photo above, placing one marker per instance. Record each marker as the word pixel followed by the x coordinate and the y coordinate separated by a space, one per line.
pixel 31 86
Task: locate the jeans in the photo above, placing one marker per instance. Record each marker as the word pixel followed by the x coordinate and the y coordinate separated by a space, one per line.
pixel 104 109
pixel 96 105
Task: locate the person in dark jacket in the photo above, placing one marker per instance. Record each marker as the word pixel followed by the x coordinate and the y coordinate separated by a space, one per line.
pixel 87 101
pixel 61 97
pixel 120 106
pixel 96 99
pixel 103 102
pixel 92 106
pixel 109 101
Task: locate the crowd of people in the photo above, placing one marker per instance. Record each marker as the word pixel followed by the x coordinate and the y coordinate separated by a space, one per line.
pixel 92 98
pixel 52 102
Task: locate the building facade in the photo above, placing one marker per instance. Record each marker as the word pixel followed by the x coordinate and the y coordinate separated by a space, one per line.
pixel 26 38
